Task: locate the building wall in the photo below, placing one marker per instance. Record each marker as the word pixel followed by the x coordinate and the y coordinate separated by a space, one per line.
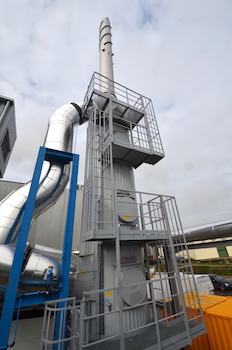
pixel 203 254
pixel 7 131
pixel 7 186
pixel 229 249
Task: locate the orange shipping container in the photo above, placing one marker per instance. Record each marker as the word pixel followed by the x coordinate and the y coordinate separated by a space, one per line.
pixel 218 321
pixel 193 309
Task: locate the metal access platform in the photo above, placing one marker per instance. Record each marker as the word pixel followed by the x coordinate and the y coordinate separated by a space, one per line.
pixel 134 112
pixel 167 333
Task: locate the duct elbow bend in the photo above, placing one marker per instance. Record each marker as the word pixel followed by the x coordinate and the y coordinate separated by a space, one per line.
pixel 79 119
pixel 60 128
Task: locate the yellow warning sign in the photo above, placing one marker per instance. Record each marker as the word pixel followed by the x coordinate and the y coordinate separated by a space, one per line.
pixel 109 293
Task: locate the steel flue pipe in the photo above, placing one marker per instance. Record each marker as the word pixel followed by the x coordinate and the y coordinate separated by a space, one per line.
pixel 105 49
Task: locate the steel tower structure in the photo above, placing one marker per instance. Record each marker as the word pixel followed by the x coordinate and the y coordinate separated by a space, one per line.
pixel 121 307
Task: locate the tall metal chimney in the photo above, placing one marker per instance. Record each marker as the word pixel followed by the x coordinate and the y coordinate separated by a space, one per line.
pixel 105 49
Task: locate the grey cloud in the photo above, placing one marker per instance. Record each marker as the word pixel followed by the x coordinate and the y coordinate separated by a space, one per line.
pixel 177 53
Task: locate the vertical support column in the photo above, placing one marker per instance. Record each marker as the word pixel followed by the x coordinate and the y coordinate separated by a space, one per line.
pixel 153 300
pixel 68 234
pixel 12 287
pixel 61 322
pixel 148 131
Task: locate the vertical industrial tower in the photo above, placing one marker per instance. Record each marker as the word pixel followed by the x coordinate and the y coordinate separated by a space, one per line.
pixel 124 231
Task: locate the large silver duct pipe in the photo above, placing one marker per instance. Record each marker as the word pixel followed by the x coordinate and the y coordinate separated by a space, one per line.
pixel 37 262
pixel 54 176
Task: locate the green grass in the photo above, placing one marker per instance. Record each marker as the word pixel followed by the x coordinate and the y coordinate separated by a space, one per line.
pixel 219 269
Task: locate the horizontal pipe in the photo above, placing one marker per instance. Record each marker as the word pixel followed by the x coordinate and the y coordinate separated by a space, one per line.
pixel 217 230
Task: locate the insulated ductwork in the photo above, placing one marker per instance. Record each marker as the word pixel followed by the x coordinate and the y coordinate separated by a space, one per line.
pixel 36 266
pixel 54 176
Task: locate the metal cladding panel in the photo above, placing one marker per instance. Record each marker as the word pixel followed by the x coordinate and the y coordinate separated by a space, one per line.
pixel 218 321
pixel 7 131
pixel 48 228
pixel 8 186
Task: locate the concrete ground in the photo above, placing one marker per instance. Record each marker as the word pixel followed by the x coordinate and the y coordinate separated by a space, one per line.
pixel 28 334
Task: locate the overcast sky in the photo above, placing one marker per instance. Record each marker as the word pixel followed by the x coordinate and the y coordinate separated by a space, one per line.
pixel 178 53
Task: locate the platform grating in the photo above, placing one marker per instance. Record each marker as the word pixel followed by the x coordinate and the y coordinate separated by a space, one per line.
pixel 170 337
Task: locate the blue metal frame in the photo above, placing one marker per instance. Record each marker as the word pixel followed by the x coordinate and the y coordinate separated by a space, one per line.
pixel 11 300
